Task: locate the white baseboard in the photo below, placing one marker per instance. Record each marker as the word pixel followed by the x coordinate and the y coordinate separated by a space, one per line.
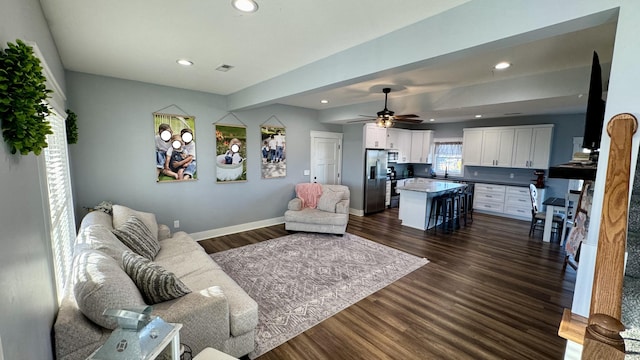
pixel 356 212
pixel 207 234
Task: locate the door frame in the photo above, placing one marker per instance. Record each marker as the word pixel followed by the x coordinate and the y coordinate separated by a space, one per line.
pixel 325 135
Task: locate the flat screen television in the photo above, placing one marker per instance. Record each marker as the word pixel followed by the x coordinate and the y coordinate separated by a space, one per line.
pixel 595 109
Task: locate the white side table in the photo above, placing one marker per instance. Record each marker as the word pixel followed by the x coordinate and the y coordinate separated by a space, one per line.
pixel 173 338
pixel 213 354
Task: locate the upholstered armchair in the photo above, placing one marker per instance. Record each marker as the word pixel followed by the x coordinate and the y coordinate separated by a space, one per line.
pixel 318 208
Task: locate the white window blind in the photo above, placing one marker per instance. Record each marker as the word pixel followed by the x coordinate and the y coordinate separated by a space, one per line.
pixel 448 157
pixel 58 184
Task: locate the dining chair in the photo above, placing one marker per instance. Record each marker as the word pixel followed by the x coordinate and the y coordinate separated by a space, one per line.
pixel 538 218
pixel 570 208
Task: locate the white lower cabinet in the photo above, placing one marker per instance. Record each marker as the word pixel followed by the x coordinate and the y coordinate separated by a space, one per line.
pixel 489 198
pixel 509 201
pixel 517 202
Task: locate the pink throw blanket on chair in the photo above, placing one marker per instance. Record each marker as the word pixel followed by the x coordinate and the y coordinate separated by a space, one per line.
pixel 309 193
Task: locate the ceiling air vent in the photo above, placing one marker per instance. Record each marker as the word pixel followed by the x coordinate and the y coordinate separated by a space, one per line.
pixel 224 67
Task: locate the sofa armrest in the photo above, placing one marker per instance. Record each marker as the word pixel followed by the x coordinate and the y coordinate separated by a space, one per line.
pixel 76 337
pixel 342 207
pixel 295 204
pixel 164 232
pixel 204 316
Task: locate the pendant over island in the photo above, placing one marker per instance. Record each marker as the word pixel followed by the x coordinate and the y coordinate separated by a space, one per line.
pixel 415 201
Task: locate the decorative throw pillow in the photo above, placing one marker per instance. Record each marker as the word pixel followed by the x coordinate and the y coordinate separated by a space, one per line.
pixel 99 283
pixel 136 235
pixel 328 200
pixel 154 282
pixel 122 213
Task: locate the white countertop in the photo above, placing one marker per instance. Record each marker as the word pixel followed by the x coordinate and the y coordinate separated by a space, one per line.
pixel 432 187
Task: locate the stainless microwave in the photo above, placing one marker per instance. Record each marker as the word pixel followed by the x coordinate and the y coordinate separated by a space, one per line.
pixel 392 156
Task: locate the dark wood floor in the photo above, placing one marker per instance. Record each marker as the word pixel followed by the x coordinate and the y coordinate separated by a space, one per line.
pixel 489 292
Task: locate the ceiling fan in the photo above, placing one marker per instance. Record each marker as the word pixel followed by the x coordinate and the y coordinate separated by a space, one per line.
pixel 386 117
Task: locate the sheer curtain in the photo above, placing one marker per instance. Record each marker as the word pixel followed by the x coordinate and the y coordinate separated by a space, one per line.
pixel 448 157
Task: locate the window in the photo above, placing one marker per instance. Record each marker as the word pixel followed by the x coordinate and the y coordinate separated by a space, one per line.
pixel 447 157
pixel 58 185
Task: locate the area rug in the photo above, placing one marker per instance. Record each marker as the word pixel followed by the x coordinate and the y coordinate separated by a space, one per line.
pixel 302 279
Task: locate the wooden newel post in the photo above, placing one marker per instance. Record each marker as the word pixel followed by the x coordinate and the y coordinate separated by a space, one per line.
pixel 602 338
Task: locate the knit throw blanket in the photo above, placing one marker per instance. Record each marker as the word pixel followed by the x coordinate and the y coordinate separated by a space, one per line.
pixel 309 193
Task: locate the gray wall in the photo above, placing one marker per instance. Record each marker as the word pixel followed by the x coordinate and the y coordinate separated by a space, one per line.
pixel 353 163
pixel 27 295
pixel 114 158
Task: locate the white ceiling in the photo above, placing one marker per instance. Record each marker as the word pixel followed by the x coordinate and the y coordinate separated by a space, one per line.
pixel 136 41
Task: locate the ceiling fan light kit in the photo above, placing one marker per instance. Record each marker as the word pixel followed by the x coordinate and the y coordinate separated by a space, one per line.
pixel 385 122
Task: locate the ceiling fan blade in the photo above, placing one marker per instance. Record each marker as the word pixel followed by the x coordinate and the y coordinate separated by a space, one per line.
pixel 359 121
pixel 406 116
pixel 412 121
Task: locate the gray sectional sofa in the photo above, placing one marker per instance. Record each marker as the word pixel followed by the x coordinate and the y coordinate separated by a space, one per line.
pixel 215 313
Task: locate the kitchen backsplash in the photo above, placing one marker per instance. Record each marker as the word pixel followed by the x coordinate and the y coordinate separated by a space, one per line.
pixel 479 173
pixel 525 176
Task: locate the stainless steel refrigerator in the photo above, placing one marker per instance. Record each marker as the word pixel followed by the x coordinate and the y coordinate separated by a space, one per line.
pixel 375 180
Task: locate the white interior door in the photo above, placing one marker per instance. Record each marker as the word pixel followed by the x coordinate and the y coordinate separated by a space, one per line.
pixel 326 157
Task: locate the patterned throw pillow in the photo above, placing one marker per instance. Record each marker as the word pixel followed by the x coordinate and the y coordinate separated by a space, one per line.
pixel 122 213
pixel 328 200
pixel 136 235
pixel 154 282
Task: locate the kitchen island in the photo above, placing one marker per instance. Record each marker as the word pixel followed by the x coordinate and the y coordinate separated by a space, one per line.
pixel 415 201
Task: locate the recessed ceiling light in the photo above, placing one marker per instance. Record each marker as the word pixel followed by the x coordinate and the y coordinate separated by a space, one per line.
pixel 502 65
pixel 324 101
pixel 184 62
pixel 478 116
pixel 247 6
pixel 432 119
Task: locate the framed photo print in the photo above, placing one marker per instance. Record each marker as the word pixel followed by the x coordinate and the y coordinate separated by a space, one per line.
pixel 175 147
pixel 231 153
pixel 273 151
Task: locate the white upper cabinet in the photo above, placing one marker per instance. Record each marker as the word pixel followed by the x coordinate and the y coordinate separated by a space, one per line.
pixel 532 147
pixel 400 140
pixel 497 147
pixel 392 138
pixel 421 146
pixel 404 150
pixel 375 137
pixel 472 147
pixel 508 146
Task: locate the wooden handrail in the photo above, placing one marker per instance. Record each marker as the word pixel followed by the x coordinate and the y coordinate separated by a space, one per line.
pixel 602 338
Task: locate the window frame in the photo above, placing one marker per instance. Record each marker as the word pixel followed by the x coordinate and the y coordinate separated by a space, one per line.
pixel 61 239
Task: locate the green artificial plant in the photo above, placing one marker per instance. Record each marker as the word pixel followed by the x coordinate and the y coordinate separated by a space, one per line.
pixel 23 95
pixel 72 127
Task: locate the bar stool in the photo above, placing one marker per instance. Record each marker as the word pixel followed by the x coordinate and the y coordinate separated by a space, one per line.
pixel 458 208
pixel 438 208
pixel 467 206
